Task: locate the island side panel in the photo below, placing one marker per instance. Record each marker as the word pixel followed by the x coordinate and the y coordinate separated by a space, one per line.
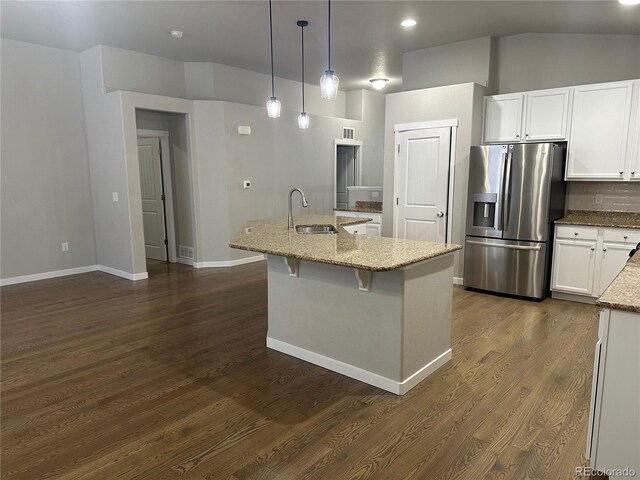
pixel 322 311
pixel 427 316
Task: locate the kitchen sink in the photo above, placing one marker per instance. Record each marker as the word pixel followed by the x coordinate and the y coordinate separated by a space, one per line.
pixel 315 229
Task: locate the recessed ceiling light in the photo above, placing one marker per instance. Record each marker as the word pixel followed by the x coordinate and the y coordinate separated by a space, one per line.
pixel 629 2
pixel 409 22
pixel 176 33
pixel 378 83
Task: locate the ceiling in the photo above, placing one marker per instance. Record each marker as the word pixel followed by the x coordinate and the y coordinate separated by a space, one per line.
pixel 367 40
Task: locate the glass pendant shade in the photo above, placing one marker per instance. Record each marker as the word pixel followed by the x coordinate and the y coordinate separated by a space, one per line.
pixel 329 85
pixel 273 107
pixel 303 120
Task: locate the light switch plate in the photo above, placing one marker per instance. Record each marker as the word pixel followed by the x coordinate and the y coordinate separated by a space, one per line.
pixel 115 196
pixel 65 246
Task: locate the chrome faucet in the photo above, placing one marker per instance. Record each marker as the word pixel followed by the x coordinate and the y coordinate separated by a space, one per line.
pixel 304 204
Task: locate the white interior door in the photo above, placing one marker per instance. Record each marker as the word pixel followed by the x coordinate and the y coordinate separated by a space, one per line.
pixel 153 215
pixel 422 184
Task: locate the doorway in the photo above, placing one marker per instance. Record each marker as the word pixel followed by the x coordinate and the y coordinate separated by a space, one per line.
pixel 348 171
pixel 423 181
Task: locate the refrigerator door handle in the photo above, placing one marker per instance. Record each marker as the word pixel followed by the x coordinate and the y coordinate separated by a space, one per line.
pixel 506 193
pixel 511 247
pixel 500 206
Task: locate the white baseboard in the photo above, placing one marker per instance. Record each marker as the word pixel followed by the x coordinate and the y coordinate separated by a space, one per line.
pixel 458 281
pixel 574 297
pixel 46 275
pixel 185 261
pixel 399 388
pixel 123 274
pixel 228 263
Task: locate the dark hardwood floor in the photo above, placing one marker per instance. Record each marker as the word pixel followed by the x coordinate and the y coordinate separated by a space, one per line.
pixel 103 378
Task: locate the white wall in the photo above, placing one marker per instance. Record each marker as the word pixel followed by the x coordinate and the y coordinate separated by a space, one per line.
pixel 46 195
pixel 139 72
pixel 534 61
pixel 462 102
pixel 451 64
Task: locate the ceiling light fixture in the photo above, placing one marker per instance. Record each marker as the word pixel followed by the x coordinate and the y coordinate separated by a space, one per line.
pixel 273 104
pixel 378 83
pixel 176 33
pixel 329 81
pixel 629 2
pixel 409 22
pixel 303 118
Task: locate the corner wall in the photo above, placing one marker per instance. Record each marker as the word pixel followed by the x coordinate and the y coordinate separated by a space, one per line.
pixel 46 197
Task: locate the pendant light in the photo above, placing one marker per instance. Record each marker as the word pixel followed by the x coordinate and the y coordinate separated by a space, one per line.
pixel 303 118
pixel 273 104
pixel 329 81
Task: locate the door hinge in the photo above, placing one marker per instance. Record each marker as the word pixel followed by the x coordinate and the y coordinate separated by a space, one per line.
pixel 162 197
pixel 397 200
pixel 398 148
pixel 166 242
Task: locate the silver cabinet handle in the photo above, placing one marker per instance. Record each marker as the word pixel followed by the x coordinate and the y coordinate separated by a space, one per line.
pixel 633 173
pixel 510 247
pixel 440 214
pixel 604 249
pixel 593 248
pixel 576 234
pixel 621 173
pixel 626 236
pixel 517 136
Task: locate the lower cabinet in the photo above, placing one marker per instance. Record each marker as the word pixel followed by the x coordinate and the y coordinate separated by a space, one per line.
pixel 372 228
pixel 613 439
pixel 587 259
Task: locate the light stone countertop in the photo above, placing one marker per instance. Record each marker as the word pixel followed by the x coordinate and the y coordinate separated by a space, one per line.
pixel 272 236
pixel 594 218
pixel 624 291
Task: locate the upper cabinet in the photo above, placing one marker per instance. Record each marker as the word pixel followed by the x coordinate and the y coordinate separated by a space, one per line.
pixel 503 118
pixel 599 137
pixel 529 117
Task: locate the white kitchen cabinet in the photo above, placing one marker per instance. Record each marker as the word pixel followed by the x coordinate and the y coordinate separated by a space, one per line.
pixel 372 228
pixel 359 229
pixel 574 266
pixel 587 259
pixel 598 142
pixel 613 258
pixel 503 118
pixel 546 115
pixel 527 117
pixel 613 441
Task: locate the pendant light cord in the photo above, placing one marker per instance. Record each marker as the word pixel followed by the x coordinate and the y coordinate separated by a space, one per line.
pixel 273 88
pixel 329 34
pixel 302 31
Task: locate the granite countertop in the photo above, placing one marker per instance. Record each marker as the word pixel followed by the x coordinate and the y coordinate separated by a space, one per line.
pixel 272 236
pixel 362 207
pixel 624 291
pixel 601 219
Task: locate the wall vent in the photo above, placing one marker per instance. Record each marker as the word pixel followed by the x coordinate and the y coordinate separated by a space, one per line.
pixel 186 252
pixel 347 133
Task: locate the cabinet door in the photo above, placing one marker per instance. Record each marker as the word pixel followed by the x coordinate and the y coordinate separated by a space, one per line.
pixel 503 118
pixel 634 168
pixel 599 131
pixel 546 115
pixel 574 266
pixel 614 258
pixel 373 229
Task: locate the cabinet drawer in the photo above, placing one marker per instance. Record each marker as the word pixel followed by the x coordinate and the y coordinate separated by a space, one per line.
pixel 622 236
pixel 574 231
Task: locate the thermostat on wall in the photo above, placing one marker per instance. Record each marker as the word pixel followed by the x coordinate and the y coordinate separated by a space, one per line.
pixel 244 130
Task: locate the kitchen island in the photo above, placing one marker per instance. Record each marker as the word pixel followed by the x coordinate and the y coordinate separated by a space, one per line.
pixel 376 309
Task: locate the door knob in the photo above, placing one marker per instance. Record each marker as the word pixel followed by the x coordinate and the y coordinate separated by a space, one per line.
pixel 440 214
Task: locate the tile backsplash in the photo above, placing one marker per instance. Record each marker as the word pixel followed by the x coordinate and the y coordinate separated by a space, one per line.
pixel 616 196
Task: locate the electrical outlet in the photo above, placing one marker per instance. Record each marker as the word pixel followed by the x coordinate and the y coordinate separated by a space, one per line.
pixel 374 195
pixel 246 184
pixel 65 246
pixel 599 198
pixel 115 196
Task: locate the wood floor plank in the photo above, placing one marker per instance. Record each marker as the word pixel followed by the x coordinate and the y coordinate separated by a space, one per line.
pixel 170 378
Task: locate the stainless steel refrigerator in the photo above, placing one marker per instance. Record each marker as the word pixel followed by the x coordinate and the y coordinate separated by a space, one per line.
pixel 515 194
